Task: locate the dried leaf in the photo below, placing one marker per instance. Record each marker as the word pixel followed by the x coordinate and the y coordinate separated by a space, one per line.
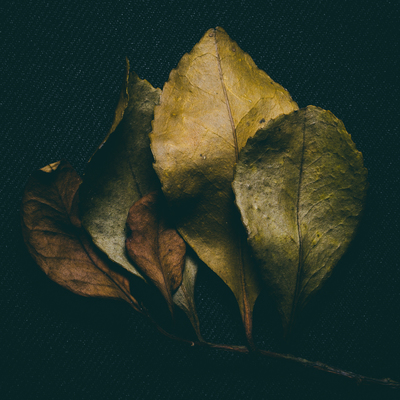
pixel 184 296
pixel 154 246
pixel 53 234
pixel 121 171
pixel 213 102
pixel 300 186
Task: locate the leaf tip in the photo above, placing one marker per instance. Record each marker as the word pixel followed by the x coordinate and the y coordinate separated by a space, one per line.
pixel 51 167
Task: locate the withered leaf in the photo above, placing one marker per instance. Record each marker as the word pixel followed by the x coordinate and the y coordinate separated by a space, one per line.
pixel 155 246
pixel 121 170
pixel 212 103
pixel 184 296
pixel 300 186
pixel 56 240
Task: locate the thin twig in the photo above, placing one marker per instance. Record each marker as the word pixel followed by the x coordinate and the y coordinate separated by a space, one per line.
pixel 359 379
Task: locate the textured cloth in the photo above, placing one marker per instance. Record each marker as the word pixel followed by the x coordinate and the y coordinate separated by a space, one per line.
pixel 61 71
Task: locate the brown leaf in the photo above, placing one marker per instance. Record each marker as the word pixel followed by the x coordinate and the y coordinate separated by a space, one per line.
pixel 53 234
pixel 154 246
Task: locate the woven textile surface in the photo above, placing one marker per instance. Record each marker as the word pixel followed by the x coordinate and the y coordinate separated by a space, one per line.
pixel 61 71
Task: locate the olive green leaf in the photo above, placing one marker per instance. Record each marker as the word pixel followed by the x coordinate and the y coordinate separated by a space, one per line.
pixel 155 246
pixel 300 186
pixel 56 240
pixel 213 102
pixel 121 171
pixel 184 296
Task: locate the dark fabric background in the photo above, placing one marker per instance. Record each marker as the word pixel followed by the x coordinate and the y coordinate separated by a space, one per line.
pixel 61 70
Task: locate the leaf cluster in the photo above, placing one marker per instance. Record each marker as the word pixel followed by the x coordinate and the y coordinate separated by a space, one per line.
pixel 220 166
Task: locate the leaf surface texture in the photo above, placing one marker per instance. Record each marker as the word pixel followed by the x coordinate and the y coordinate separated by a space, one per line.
pixel 184 296
pixel 300 185
pixel 121 171
pixel 56 240
pixel 155 246
pixel 212 103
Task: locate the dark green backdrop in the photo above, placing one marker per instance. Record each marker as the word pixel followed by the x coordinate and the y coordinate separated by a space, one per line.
pixel 61 70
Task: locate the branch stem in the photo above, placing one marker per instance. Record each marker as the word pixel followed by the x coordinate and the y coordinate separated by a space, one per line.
pixel 359 379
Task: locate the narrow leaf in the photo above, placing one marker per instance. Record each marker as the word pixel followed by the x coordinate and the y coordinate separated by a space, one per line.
pixel 154 246
pixel 300 186
pixel 212 103
pixel 53 234
pixel 121 171
pixel 184 296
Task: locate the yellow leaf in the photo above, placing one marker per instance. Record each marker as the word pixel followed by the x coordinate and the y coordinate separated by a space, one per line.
pixel 300 186
pixel 212 103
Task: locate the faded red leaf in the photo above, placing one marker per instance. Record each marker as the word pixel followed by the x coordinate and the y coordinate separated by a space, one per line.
pixel 154 246
pixel 56 240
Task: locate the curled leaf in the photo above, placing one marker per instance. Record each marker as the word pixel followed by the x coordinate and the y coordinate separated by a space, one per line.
pixel 300 186
pixel 154 246
pixel 54 237
pixel 121 170
pixel 212 103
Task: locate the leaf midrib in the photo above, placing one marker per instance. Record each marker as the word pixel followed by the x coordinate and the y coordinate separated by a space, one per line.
pixel 161 264
pixel 246 306
pixel 234 136
pixel 300 265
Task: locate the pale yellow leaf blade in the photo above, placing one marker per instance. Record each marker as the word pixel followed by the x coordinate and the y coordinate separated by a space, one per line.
pixel 212 103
